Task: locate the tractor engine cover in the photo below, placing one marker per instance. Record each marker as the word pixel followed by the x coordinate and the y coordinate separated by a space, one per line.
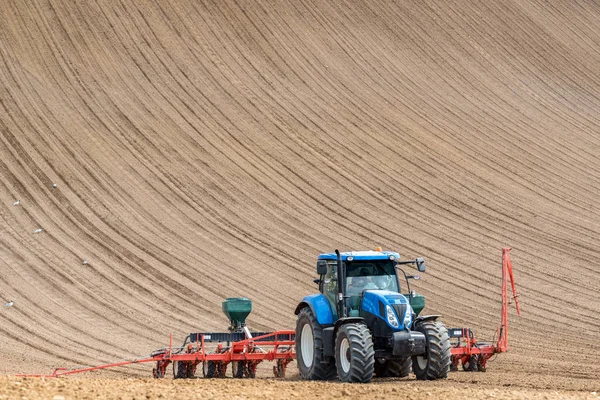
pixel 408 343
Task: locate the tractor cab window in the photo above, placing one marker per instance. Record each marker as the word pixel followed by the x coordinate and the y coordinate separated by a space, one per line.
pixel 365 275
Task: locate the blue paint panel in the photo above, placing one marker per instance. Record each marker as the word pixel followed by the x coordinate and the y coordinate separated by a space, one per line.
pixel 321 308
pixel 371 301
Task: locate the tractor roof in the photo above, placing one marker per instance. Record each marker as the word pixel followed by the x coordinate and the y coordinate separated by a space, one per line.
pixel 362 255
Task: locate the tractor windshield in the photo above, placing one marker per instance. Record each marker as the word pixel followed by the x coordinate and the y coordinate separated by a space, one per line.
pixel 364 275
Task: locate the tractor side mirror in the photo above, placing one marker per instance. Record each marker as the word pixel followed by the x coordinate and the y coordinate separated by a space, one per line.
pixel 420 264
pixel 322 267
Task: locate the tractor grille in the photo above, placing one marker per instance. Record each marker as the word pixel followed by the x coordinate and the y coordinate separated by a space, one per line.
pixel 400 310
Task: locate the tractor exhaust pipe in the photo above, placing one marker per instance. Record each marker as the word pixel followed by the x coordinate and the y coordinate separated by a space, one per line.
pixel 341 286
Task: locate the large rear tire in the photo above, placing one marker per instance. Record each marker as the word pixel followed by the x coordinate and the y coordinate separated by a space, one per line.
pixel 354 353
pixel 393 368
pixel 309 344
pixel 435 363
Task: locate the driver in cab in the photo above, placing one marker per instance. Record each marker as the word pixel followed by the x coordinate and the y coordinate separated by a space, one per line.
pixel 366 282
pixel 361 282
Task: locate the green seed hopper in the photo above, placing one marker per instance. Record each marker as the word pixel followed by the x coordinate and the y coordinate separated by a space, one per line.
pixel 237 309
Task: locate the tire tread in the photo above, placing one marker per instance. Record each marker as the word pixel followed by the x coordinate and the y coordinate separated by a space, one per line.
pixel 438 343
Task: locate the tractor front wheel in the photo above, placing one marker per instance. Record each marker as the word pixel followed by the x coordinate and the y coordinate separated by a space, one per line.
pixel 354 353
pixel 309 342
pixel 435 363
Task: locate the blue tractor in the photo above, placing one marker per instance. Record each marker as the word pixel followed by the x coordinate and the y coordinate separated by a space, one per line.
pixel 360 324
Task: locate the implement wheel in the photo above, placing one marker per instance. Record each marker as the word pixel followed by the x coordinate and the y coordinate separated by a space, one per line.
pixel 471 364
pixel 279 368
pixel 251 366
pixel 243 369
pixel 481 361
pixel 184 370
pixel 161 367
pixel 309 342
pixel 179 370
pixel 435 363
pixel 211 369
pixel 354 353
pixel 237 369
pixel 216 369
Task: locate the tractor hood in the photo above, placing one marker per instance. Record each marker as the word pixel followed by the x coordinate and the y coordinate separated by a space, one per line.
pixel 392 307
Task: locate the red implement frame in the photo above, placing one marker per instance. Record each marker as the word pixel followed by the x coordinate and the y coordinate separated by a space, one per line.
pixel 276 346
pixel 474 355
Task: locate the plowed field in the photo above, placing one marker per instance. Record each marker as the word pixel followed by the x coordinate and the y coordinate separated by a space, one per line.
pixel 190 151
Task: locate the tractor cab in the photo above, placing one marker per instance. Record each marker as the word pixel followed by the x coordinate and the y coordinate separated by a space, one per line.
pixel 363 271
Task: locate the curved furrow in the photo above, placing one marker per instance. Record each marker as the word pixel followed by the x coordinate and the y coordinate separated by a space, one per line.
pixel 82 221
pixel 448 12
pixel 274 238
pixel 53 229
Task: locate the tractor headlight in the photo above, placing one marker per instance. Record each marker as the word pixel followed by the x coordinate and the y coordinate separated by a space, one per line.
pixel 391 317
pixel 408 316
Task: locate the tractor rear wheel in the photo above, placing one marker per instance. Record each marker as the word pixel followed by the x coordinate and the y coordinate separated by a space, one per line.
pixel 435 363
pixel 393 368
pixel 354 353
pixel 309 342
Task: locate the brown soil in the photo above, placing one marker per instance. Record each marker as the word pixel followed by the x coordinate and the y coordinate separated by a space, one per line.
pixel 210 150
pixel 135 388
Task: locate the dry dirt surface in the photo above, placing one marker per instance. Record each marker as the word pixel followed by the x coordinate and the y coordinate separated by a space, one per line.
pixel 170 154
pixel 230 389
